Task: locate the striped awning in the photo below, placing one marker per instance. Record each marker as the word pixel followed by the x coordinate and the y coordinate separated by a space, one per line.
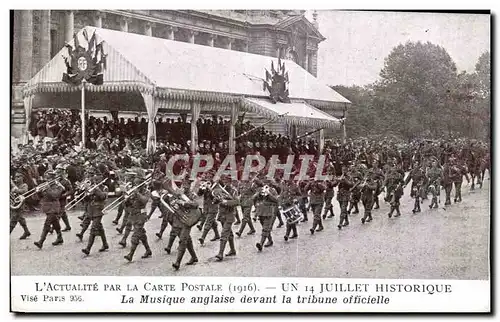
pixel 297 112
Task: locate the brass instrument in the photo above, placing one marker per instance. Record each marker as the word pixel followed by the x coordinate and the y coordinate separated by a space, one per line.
pixel 79 197
pixel 126 195
pixel 16 201
pixel 220 194
pixel 265 191
pixel 186 217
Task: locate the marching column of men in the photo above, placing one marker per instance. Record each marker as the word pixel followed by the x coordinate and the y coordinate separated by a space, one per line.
pixel 222 201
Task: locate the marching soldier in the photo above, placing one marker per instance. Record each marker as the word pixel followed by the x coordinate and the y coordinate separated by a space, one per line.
pixel 155 193
pixel 137 202
pixel 86 217
pixel 317 196
pixel 50 205
pixel 368 190
pixel 458 171
pixel 378 176
pixel 165 216
pixel 345 185
pixel 447 180
pixel 19 188
pixel 396 195
pixel 210 208
pixel 121 208
pixel 175 225
pixel 265 199
pixel 190 208
pixel 127 224
pixel 61 171
pixel 329 194
pixel 303 200
pixel 247 190
pixel 355 192
pixel 227 201
pixel 288 198
pixel 97 197
pixel 418 178
pixel 435 175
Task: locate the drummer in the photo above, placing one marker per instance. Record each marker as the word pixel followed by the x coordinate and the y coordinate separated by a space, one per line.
pixel 289 200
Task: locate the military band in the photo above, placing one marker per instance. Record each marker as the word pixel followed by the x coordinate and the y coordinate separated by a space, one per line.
pixel 214 203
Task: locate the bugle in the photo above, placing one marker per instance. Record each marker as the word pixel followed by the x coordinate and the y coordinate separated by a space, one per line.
pixel 79 197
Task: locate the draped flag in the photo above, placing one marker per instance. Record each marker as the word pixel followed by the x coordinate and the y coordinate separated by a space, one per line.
pixel 276 83
pixel 84 63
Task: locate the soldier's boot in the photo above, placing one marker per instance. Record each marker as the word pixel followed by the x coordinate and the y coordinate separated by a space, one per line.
pixel 370 218
pixel 252 228
pixel 320 226
pixel 294 235
pixel 356 209
pixel 287 232
pixel 332 214
pixel 130 255
pixel 313 229
pixel 105 245
pixel 416 205
pixel 162 230
pixel 398 213
pixel 280 221
pixel 67 226
pixel 148 252
pixel 216 233
pixel 232 249
pixel 118 216
pixel 86 250
pixel 203 236
pixel 171 240
pixel 239 232
pixel 346 221
pixel 390 212
pixel 27 232
pixel 194 258
pixel 222 246
pixel 351 205
pixel 448 201
pixel 435 202
pixel 377 204
pixel 259 245
pixel 269 241
pixel 39 243
pixel 123 242
pixel 59 240
pixel 180 254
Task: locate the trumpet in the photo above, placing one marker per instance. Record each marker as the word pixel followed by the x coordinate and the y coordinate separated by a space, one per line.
pixel 79 197
pixel 265 190
pixel 17 201
pixel 126 195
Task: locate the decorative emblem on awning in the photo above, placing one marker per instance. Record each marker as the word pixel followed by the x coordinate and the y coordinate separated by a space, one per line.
pixel 84 63
pixel 276 83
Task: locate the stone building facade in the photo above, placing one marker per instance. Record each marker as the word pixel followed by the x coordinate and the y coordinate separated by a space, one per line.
pixel 38 35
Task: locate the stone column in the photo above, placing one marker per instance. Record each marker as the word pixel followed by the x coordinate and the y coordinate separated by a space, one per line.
pixel 211 40
pixel 98 19
pixel 306 62
pixel 230 43
pixel 26 45
pixel 148 28
pixel 44 37
pixel 278 51
pixel 124 22
pixel 69 25
pixel 171 32
pixel 191 34
pixel 246 46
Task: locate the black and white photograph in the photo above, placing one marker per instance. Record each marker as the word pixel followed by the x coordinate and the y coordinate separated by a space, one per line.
pixel 333 144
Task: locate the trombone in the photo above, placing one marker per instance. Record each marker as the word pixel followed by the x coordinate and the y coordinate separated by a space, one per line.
pixel 79 197
pixel 17 201
pixel 126 194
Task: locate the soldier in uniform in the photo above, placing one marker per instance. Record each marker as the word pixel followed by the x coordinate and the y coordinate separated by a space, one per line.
pixel 329 194
pixel 121 208
pixel 378 176
pixel 210 208
pixel 368 190
pixel 156 186
pixel 227 202
pixel 265 199
pixel 247 190
pixel 19 188
pixel 61 170
pixel 435 175
pixel 288 198
pixel 345 185
pixel 137 202
pixel 127 223
pixel 418 178
pixel 191 208
pixel 165 214
pixel 303 200
pixel 97 198
pixel 458 171
pixel 355 192
pixel 317 198
pixel 396 195
pixel 51 207
pixel 447 180
pixel 86 217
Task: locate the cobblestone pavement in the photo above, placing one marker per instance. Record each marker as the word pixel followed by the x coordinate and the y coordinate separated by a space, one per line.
pixel 449 243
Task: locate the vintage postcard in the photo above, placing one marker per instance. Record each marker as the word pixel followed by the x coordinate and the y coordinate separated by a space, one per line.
pixel 250 161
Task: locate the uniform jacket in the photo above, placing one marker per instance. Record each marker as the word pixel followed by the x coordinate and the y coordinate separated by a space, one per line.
pixel 227 208
pixel 50 199
pixel 265 206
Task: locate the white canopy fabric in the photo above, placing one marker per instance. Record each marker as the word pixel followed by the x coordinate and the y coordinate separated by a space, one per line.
pixel 298 112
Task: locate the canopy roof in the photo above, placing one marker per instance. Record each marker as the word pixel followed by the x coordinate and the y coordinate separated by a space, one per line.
pixel 178 70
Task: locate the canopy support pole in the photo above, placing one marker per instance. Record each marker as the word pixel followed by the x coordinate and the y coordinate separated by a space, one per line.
pixel 195 115
pixel 232 130
pixel 83 114
pixel 321 140
pixel 152 108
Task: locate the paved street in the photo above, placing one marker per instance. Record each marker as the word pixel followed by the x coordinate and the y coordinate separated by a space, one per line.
pixel 441 243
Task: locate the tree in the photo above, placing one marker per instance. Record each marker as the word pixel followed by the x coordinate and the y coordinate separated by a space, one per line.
pixel 414 87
